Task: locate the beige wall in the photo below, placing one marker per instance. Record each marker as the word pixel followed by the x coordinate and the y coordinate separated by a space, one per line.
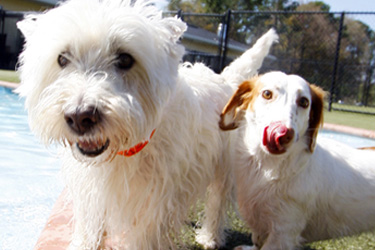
pixel 23 5
pixel 208 48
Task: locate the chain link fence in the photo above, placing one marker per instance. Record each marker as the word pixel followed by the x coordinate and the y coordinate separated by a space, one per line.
pixel 330 49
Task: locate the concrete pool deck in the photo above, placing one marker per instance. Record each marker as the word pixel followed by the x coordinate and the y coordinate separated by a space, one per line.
pixel 58 230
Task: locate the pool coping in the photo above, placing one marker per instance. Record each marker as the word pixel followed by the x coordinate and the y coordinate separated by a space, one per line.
pixel 9 84
pixel 350 130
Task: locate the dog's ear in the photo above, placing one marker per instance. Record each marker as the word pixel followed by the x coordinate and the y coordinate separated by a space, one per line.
pixel 28 25
pixel 316 115
pixel 175 27
pixel 171 30
pixel 235 109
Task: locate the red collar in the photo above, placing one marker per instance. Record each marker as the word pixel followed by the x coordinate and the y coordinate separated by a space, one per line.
pixel 134 150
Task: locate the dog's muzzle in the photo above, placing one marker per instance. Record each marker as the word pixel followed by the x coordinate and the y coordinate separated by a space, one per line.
pixel 82 121
pixel 92 148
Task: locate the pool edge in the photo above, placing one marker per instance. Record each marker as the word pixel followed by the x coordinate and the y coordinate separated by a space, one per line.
pixel 350 130
pixel 9 84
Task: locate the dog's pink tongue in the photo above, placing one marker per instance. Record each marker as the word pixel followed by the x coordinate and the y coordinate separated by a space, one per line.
pixel 276 136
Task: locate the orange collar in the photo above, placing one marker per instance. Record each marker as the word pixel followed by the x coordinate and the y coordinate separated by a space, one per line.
pixel 137 148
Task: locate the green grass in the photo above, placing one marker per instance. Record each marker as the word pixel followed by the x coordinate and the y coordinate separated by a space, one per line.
pixel 365 241
pixel 346 115
pixel 239 234
pixel 9 76
pixel 356 120
pixel 360 109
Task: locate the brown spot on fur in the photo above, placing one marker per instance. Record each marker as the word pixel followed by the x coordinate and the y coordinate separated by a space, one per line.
pixel 367 148
pixel 316 115
pixel 242 99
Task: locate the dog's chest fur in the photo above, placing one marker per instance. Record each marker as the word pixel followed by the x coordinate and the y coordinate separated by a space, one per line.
pixel 170 172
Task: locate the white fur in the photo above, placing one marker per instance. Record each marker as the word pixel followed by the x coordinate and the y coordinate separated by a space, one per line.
pixel 305 194
pixel 144 199
pixel 248 63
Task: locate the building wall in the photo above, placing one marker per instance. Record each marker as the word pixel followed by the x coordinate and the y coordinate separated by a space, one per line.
pixel 10 37
pixel 25 5
pixel 194 45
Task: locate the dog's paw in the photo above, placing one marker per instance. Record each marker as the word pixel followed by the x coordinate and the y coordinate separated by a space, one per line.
pixel 73 247
pixel 243 247
pixel 77 244
pixel 207 240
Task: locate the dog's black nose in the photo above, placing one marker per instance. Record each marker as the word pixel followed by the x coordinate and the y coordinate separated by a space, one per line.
pixel 82 120
pixel 286 137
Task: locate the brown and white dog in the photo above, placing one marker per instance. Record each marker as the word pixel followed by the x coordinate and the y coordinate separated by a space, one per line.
pixel 292 190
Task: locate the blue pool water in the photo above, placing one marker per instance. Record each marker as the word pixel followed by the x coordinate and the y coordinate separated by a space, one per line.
pixel 29 175
pixel 29 179
pixel 352 140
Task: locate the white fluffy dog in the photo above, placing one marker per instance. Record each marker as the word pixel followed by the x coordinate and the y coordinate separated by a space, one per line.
pixel 102 78
pixel 290 189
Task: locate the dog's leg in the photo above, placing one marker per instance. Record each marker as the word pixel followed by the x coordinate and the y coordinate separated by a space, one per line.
pixel 219 197
pixel 257 241
pixel 88 231
pixel 244 247
pixel 286 230
pixel 78 239
pixel 211 235
pixel 277 241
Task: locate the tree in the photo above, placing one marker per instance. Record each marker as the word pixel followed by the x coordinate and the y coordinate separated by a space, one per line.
pixel 308 41
pixel 214 6
pixel 356 62
pixel 309 47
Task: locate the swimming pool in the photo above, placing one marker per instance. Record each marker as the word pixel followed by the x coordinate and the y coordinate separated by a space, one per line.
pixel 29 180
pixel 29 175
pixel 352 140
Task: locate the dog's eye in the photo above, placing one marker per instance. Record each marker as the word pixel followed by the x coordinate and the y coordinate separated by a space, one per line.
pixel 303 102
pixel 62 61
pixel 267 94
pixel 124 61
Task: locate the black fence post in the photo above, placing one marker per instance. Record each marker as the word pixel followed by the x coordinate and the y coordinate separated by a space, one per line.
pixel 179 14
pixel 367 85
pixel 221 34
pixel 3 59
pixel 225 37
pixel 336 62
pixel 2 19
